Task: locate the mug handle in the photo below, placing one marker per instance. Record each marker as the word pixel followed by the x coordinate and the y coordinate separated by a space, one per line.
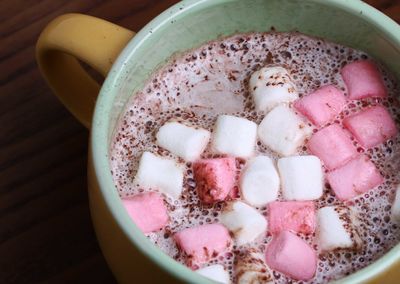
pixel 68 38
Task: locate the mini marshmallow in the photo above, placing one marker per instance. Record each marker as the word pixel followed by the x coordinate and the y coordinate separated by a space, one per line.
pixel 332 144
pixel 354 178
pixel 302 177
pixel 234 136
pixel 322 105
pixel 296 216
pixel 283 131
pixel 244 221
pixel 160 173
pixel 396 205
pixel 336 229
pixel 215 272
pixel 289 254
pixel 215 178
pixel 184 141
pixel 371 126
pixel 147 211
pixel 271 86
pixel 251 268
pixel 363 80
pixel 203 243
pixel 259 183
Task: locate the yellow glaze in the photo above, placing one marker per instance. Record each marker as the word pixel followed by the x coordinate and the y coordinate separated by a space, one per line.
pixel 74 37
pixel 389 276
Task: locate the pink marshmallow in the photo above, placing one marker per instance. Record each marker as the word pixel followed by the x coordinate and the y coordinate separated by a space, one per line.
pixel 147 210
pixel 215 178
pixel 363 80
pixel 202 243
pixel 356 177
pixel 333 146
pixel 297 216
pixel 323 105
pixel 371 126
pixel 289 254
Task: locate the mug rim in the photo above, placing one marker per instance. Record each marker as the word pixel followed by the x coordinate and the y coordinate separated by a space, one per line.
pixel 99 147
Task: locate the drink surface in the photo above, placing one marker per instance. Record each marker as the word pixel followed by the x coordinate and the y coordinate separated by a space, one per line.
pixel 197 86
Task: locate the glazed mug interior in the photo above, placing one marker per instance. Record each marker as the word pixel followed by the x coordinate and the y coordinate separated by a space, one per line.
pixel 191 23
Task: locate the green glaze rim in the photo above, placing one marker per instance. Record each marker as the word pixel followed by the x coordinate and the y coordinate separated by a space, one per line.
pixel 99 146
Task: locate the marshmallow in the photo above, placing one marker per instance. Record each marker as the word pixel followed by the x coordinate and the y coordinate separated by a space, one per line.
pixel 215 178
pixel 234 136
pixel 333 146
pixel 363 80
pixel 271 86
pixel 251 268
pixel 354 178
pixel 289 254
pixel 336 229
pixel 371 126
pixel 215 272
pixel 203 243
pixel 259 183
pixel 396 205
pixel 147 211
pixel 160 173
pixel 302 177
pixel 184 141
pixel 283 131
pixel 296 216
pixel 245 222
pixel 322 105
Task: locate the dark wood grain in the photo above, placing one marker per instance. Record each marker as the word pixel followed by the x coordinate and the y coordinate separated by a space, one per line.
pixel 45 230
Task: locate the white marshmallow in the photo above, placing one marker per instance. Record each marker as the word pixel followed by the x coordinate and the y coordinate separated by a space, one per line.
pixel 184 141
pixel 335 229
pixel 259 183
pixel 283 131
pixel 215 272
pixel 234 136
pixel 271 86
pixel 244 221
pixel 251 268
pixel 396 205
pixel 160 173
pixel 301 177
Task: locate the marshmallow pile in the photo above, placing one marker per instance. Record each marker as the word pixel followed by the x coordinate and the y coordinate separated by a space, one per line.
pixel 284 189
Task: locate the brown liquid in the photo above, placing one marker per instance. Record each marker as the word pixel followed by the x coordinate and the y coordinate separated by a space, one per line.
pixel 211 80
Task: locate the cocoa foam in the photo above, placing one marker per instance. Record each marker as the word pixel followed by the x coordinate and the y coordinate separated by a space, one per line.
pixel 198 85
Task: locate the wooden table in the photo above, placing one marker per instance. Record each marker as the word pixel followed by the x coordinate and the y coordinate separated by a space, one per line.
pixel 45 230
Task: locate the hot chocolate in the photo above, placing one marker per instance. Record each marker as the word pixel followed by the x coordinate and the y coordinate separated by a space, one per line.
pixel 196 88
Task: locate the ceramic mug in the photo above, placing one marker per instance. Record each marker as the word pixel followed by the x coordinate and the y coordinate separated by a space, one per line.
pixel 127 60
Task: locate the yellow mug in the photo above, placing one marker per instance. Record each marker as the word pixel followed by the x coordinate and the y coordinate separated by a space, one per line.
pixel 127 62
